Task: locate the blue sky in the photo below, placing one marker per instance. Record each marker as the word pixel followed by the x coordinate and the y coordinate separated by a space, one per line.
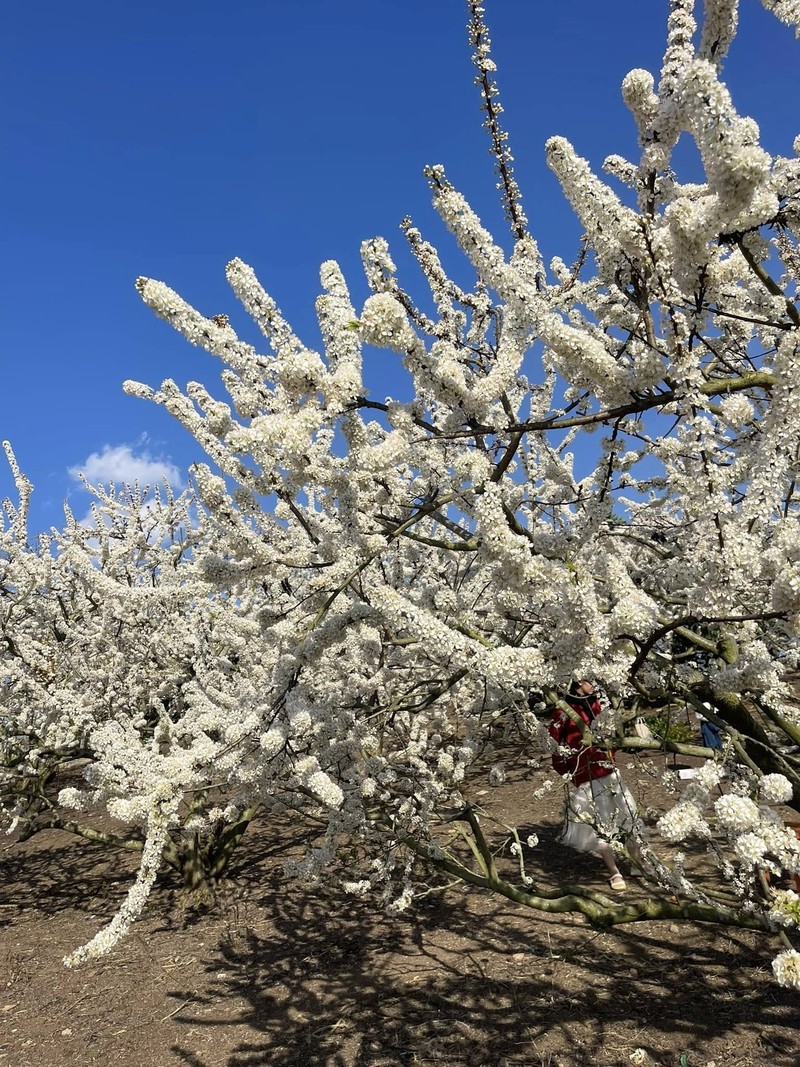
pixel 162 139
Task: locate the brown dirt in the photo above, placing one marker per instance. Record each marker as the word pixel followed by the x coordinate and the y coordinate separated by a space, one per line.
pixel 280 975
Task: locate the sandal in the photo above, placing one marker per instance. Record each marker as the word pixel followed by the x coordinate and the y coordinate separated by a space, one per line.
pixel 617 883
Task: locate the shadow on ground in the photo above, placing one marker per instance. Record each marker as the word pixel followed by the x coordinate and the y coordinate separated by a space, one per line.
pixel 328 984
pixel 289 975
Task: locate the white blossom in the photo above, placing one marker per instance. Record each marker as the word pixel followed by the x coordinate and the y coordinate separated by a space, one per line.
pixel 774 789
pixel 786 968
pixel 737 814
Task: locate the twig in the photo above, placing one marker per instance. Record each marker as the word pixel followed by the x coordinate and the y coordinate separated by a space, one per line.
pixel 180 1007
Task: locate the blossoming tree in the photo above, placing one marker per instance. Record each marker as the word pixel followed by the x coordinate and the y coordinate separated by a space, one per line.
pixel 121 671
pixel 396 576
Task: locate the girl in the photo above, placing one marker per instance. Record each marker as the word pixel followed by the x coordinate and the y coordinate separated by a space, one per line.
pixel 599 804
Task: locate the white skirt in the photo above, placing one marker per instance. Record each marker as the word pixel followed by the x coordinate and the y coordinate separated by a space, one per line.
pixel 598 811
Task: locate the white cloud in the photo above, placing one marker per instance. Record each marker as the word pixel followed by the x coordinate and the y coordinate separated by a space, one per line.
pixel 122 466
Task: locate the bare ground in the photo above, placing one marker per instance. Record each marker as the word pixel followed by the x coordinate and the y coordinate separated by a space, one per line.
pixel 280 975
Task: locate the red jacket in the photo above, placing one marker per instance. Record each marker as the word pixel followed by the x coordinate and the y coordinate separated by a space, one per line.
pixel 586 761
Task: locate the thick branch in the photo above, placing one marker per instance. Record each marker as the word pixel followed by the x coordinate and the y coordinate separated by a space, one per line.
pixel 598 909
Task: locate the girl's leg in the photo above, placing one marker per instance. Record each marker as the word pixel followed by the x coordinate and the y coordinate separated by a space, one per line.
pixel 606 854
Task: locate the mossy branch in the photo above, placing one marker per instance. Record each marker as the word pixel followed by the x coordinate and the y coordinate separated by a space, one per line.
pixel 598 909
pixel 55 822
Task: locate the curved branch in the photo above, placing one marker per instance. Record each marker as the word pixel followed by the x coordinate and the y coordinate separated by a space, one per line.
pixel 598 909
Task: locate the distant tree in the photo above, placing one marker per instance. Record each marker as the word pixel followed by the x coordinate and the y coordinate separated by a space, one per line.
pixel 400 575
pixel 119 667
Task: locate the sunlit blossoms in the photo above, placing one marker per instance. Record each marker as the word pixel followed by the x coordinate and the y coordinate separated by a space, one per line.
pixel 682 821
pixel 737 814
pixel 786 968
pixel 595 476
pixel 775 789
pixel 785 908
